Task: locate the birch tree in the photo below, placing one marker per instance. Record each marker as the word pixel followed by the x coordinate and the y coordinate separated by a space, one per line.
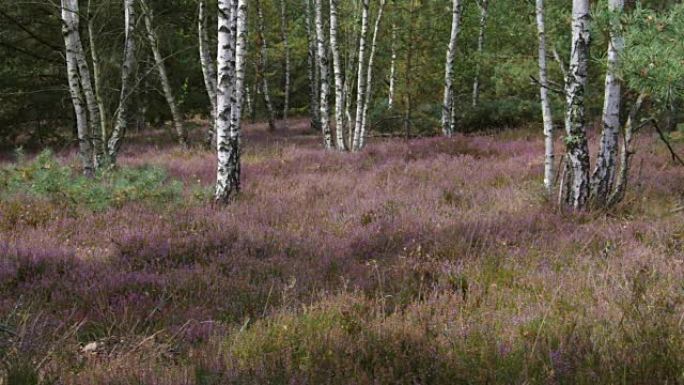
pixel 262 65
pixel 232 42
pixel 339 82
pixel 71 41
pixel 99 133
pixel 312 67
pixel 448 124
pixel 127 69
pixel 369 75
pixel 284 33
pixel 208 68
pixel 324 81
pixel 153 41
pixel 603 177
pixel 360 77
pixel 575 120
pixel 393 69
pixel 545 101
pixel 484 8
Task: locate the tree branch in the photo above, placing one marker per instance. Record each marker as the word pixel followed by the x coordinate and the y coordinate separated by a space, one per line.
pixel 552 89
pixel 675 157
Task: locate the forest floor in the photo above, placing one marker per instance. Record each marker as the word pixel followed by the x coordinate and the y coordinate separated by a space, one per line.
pixel 433 261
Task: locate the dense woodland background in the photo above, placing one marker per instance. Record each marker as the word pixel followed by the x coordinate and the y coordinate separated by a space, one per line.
pixel 35 99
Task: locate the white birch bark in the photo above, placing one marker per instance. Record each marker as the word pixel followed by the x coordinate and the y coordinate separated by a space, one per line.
pixel 323 70
pixel 603 177
pixel 339 83
pixel 346 92
pixel 575 89
pixel 448 124
pixel 98 86
pixel 70 30
pixel 153 40
pixel 360 77
pixel 127 69
pixel 248 101
pixel 549 157
pixel 86 83
pixel 369 75
pixel 232 27
pixel 626 152
pixel 92 88
pixel 262 64
pixel 393 69
pixel 484 7
pixel 312 67
pixel 284 32
pixel 208 68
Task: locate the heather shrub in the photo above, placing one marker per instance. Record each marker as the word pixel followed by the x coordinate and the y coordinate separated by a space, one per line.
pixel 46 178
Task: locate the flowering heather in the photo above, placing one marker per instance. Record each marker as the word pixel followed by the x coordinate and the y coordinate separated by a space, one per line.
pixel 434 261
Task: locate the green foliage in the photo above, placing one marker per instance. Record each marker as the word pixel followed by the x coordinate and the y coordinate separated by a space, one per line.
pixel 47 178
pixel 654 52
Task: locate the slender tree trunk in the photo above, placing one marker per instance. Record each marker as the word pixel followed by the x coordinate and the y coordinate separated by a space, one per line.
pixel 448 124
pixel 369 75
pixel 575 89
pixel 312 67
pixel 70 32
pixel 603 177
pixel 626 153
pixel 127 70
pixel 323 69
pixel 99 140
pixel 339 83
pixel 284 32
pixel 360 77
pixel 208 68
pixel 262 64
pixel 153 40
pixel 393 69
pixel 484 5
pixel 408 97
pixel 549 157
pixel 232 27
pixel 352 50
pixel 248 101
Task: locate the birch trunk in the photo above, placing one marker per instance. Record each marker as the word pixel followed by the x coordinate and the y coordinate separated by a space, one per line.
pixel 393 69
pixel 323 69
pixel 99 140
pixel 603 177
pixel 248 101
pixel 549 157
pixel 448 124
pixel 484 5
pixel 262 63
pixel 86 84
pixel 69 31
pixel 153 40
pixel 127 69
pixel 208 68
pixel 369 75
pixel 284 31
pixel 348 85
pixel 626 153
pixel 360 77
pixel 575 89
pixel 339 84
pixel 312 67
pixel 232 27
pixel 408 79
